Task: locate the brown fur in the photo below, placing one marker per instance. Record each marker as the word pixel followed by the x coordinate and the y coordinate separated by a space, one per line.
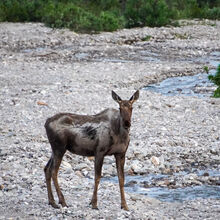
pixel 106 133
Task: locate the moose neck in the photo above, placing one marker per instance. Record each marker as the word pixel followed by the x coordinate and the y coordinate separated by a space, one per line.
pixel 124 126
pixel 118 126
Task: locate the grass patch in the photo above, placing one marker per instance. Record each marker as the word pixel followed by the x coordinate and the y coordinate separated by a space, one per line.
pixel 146 38
pixel 182 36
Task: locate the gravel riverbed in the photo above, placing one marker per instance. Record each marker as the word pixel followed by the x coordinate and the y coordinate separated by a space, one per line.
pixel 44 71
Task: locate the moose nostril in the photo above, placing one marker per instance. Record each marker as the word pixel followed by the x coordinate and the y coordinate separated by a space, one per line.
pixel 127 124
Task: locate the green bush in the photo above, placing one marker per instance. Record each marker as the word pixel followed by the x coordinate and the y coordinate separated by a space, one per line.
pixel 109 4
pixel 78 19
pixel 109 21
pixel 19 10
pixel 106 15
pixel 192 9
pixel 217 93
pixel 216 79
pixel 64 15
pixel 212 13
pixel 146 13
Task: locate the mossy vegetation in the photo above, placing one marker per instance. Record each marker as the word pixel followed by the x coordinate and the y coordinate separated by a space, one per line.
pixel 146 38
pixel 182 36
pixel 216 79
pixel 106 15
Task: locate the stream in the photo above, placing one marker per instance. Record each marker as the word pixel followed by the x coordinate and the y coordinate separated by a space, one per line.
pixel 178 187
pixel 197 85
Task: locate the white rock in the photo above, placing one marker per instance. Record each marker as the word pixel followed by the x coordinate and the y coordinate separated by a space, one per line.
pixel 66 166
pixel 136 166
pixel 80 166
pixel 155 160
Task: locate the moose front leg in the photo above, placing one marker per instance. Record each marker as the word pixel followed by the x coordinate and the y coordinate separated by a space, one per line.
pixel 57 162
pixel 120 161
pixel 98 171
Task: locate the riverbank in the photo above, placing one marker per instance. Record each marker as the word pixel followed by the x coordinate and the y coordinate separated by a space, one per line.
pixel 45 71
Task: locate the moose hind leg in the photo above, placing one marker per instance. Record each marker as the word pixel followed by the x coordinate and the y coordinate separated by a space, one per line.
pixel 57 161
pixel 98 171
pixel 48 175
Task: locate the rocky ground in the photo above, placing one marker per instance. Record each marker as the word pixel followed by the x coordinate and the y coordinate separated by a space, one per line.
pixel 45 71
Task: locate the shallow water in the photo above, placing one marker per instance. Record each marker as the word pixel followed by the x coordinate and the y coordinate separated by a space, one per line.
pixel 180 194
pixel 171 195
pixel 197 85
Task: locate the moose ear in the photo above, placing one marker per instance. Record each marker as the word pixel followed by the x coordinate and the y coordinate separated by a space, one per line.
pixel 135 97
pixel 116 97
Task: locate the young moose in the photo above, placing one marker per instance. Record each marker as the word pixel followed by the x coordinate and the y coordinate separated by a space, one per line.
pixel 106 133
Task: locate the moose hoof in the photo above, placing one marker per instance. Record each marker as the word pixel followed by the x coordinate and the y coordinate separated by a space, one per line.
pixel 125 207
pixel 94 205
pixel 63 204
pixel 54 205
